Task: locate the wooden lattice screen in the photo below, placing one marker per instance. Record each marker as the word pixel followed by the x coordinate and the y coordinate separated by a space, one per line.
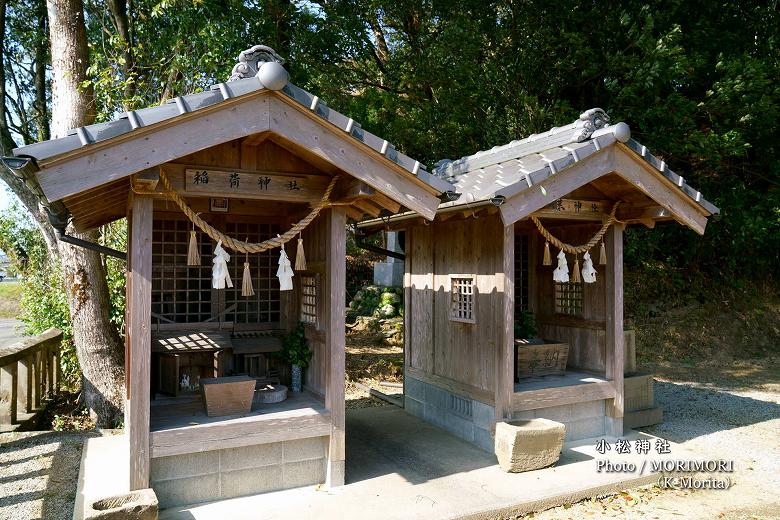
pixel 180 294
pixel 521 274
pixel 568 298
pixel 309 299
pixel 183 294
pixel 462 294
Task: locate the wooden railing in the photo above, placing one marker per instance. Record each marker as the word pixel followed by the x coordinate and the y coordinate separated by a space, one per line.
pixel 29 371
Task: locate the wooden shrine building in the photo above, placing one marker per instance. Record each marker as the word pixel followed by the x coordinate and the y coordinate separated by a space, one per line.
pixel 250 157
pixel 478 268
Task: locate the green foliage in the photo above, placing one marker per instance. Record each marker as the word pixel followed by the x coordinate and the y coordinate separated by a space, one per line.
pixel 377 301
pixel 525 325
pixel 295 348
pixel 43 302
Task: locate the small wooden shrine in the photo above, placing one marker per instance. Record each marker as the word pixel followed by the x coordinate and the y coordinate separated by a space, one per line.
pixel 236 201
pixel 533 228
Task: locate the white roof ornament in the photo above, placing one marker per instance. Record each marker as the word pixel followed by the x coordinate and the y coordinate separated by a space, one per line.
pixel 590 121
pixel 263 62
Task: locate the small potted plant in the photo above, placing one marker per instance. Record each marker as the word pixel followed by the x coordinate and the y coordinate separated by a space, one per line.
pixel 296 352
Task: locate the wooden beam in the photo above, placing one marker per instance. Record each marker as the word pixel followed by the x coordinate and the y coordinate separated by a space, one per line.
pixel 351 156
pixel 367 207
pixel 139 340
pixel 391 205
pixel 99 164
pixel 614 329
pixel 548 397
pixel 554 187
pixel 505 285
pixel 351 190
pixel 661 190
pixel 334 391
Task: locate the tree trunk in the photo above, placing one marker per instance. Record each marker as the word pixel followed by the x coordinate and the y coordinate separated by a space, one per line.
pixel 72 105
pixel 41 55
pixel 98 346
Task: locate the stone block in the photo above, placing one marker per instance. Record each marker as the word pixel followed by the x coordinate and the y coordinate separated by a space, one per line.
pixel 256 456
pixel 251 481
pixel 484 415
pixel 528 445
pixel 525 415
pixel 305 449
pixel 436 396
pixel 484 439
pixel 303 473
pixel 585 428
pixel 641 418
pixel 414 407
pixel 414 389
pixel 463 428
pixel 184 491
pixel 182 466
pixel 135 505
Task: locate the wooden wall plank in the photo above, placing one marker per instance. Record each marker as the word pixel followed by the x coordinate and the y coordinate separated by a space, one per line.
pixel 139 339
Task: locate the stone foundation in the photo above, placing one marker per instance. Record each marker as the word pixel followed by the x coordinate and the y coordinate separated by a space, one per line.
pixel 227 473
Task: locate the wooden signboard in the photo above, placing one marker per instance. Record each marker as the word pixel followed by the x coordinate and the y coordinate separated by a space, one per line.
pixel 575 209
pixel 255 185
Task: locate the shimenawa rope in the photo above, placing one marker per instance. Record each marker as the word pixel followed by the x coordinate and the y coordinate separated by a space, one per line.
pixel 238 245
pixel 575 250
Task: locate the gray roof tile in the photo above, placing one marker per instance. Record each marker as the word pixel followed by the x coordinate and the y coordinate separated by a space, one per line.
pixel 509 169
pixel 218 93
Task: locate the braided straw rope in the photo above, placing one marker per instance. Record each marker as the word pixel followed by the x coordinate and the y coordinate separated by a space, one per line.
pixel 238 245
pixel 575 250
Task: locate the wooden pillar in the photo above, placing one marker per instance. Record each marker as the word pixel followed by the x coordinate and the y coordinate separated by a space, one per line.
pixel 37 379
pixel 505 281
pixel 614 323
pixel 139 341
pixel 334 392
pixel 8 397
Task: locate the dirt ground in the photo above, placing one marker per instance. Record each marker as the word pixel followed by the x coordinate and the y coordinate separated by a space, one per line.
pixel 729 412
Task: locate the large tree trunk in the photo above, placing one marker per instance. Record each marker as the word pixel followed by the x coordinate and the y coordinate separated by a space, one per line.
pixel 98 346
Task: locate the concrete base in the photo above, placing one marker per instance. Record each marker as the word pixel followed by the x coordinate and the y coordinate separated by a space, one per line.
pixel 582 420
pixel 232 472
pixel 469 419
pixel 104 471
pixel 400 467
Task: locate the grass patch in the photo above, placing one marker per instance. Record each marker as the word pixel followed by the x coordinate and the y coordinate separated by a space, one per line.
pixel 10 295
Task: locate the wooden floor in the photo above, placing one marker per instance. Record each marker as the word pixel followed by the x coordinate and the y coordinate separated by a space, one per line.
pixel 573 387
pixel 569 379
pixel 180 425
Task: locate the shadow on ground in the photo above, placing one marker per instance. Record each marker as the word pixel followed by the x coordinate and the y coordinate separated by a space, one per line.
pixel 395 442
pixel 691 412
pixel 39 473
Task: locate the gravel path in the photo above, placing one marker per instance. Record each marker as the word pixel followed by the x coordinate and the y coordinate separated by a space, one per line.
pixel 38 474
pixel 730 413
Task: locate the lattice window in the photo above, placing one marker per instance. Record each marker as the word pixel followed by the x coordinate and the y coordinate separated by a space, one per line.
pixel 462 298
pixel 180 294
pixel 568 298
pixel 264 306
pixel 521 274
pixel 309 288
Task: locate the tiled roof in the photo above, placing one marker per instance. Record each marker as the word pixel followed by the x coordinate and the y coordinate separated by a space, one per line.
pixel 219 93
pixel 509 169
